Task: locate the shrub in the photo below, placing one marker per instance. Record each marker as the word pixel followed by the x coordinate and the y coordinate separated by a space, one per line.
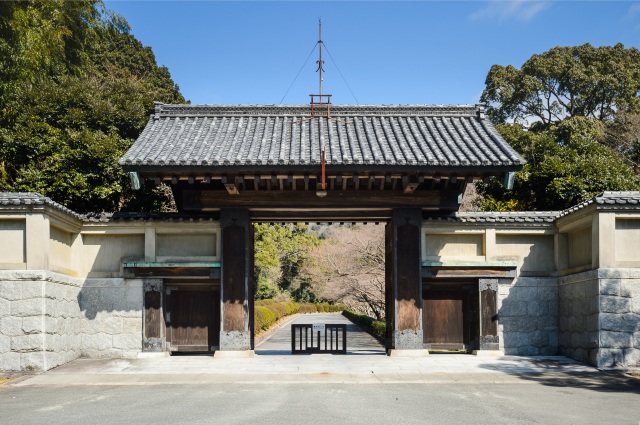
pixel 375 328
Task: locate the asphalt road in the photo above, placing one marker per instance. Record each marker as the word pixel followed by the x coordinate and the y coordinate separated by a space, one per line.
pixel 580 400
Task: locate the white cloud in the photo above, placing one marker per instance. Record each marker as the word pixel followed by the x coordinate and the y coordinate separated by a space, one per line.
pixel 519 10
pixel 634 10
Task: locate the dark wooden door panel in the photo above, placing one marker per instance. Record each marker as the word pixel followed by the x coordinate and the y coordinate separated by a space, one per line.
pixel 444 319
pixel 194 320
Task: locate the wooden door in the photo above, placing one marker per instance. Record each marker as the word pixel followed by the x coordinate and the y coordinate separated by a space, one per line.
pixel 194 317
pixel 444 320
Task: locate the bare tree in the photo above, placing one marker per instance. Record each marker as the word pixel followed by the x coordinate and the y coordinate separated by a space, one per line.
pixel 349 267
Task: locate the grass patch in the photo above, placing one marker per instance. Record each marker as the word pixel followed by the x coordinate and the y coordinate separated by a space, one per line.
pixel 4 380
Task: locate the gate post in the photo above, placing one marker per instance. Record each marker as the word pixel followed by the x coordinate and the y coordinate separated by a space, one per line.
pixel 404 283
pixel 488 341
pixel 153 324
pixel 235 288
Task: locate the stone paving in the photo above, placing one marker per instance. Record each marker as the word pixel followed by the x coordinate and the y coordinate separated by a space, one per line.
pixel 364 363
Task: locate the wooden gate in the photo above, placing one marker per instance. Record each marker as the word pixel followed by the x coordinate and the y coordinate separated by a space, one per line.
pixel 193 319
pixel 447 319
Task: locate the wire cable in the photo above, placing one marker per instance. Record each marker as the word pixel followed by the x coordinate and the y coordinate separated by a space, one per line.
pixel 298 74
pixel 340 72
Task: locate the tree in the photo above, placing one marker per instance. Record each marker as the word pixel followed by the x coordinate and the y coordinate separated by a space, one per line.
pixel 565 82
pixel 280 253
pixel 565 165
pixel 76 88
pixel 349 267
pixel 623 137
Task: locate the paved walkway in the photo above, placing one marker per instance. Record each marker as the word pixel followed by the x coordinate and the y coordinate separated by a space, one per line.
pixel 358 341
pixel 365 363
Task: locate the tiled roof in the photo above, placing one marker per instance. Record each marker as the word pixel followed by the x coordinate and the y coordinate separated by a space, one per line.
pixel 266 135
pixel 614 199
pixel 499 217
pixel 33 198
pixel 629 198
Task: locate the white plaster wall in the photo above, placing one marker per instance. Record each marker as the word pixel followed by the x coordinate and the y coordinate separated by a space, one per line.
pixel 627 240
pixel 532 252
pixel 187 245
pixel 579 247
pixel 12 248
pixel 453 245
pixel 60 249
pixel 104 253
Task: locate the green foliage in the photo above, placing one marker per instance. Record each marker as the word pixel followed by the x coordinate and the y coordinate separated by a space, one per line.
pixel 268 312
pixel 76 88
pixel 376 328
pixel 565 82
pixel 280 252
pixel 566 165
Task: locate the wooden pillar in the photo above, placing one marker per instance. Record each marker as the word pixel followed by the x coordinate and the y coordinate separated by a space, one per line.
pixel 236 269
pixel 153 333
pixel 403 280
pixel 489 340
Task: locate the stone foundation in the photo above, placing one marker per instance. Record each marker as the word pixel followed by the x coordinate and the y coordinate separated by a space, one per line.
pixel 48 319
pixel 619 318
pixel 528 316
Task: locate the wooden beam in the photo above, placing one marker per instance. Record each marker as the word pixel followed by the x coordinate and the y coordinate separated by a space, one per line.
pixel 256 183
pixel 411 187
pixel 232 189
pixel 210 199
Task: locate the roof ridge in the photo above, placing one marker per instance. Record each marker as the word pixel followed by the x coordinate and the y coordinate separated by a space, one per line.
pixel 164 110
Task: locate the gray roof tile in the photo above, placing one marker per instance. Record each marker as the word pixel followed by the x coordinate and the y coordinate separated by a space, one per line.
pixel 259 135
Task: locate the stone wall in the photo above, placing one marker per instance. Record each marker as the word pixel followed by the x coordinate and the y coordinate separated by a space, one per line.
pixel 619 318
pixel 528 316
pixel 48 319
pixel 578 320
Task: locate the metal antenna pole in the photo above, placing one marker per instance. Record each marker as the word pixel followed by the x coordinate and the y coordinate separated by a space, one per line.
pixel 320 62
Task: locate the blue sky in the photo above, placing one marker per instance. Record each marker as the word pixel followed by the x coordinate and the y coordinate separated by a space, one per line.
pixel 413 52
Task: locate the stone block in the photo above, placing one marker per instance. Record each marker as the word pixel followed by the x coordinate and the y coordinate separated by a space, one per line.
pixel 111 325
pixel 620 322
pixel 85 341
pixel 128 342
pixel 52 307
pixel 89 327
pixel 52 342
pixel 5 344
pixel 635 304
pixel 630 288
pixel 33 325
pixel 50 324
pixel 636 339
pixel 610 339
pixel 131 325
pixel 610 304
pixel 10 361
pixel 516 339
pixel 32 361
pixel 52 360
pixel 610 287
pixel 11 291
pixel 32 290
pixel 631 357
pixel 607 357
pixel 11 326
pixel 5 307
pixel 537 308
pixel 130 354
pixel 30 307
pixel 101 341
pixel 26 343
